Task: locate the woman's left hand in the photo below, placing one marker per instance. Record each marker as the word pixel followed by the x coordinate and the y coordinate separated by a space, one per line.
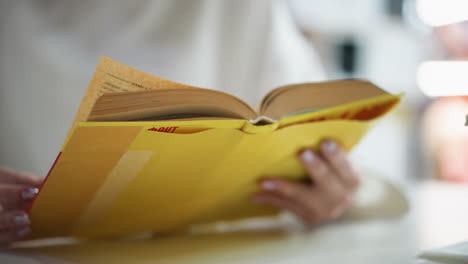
pixel 326 198
pixel 17 190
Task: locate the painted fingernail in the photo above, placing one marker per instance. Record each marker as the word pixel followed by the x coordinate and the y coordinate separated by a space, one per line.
pixel 23 232
pixel 329 146
pixel 269 185
pixel 29 193
pixel 21 219
pixel 308 156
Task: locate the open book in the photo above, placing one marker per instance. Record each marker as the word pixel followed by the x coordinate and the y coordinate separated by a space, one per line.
pixel 148 154
pixel 171 104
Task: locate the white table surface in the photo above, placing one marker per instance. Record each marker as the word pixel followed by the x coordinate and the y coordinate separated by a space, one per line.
pixel 438 217
pixel 366 242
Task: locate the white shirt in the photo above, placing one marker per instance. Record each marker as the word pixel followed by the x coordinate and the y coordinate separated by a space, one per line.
pixel 50 49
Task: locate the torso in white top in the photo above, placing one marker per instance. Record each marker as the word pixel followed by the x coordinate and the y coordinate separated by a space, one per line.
pixel 50 49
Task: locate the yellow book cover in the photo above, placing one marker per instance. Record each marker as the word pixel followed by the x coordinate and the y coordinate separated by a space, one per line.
pixel 148 154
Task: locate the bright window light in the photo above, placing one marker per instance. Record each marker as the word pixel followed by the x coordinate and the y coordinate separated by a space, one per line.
pixel 443 78
pixel 442 12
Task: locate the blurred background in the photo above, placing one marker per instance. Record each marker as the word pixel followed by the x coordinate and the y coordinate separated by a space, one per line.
pixel 419 47
pixel 416 47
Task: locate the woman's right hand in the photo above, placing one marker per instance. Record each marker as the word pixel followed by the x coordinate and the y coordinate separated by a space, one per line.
pixel 17 190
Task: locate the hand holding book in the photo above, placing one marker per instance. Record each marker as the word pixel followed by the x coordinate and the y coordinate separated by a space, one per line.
pixel 17 190
pixel 325 197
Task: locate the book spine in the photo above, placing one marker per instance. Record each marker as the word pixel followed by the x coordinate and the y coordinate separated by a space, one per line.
pixel 251 128
pixel 43 182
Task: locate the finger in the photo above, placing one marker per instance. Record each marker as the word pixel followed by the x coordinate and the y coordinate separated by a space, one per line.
pixel 338 160
pixel 322 175
pixel 12 235
pixel 280 202
pixel 341 207
pixel 16 196
pixel 13 220
pixel 14 177
pixel 300 194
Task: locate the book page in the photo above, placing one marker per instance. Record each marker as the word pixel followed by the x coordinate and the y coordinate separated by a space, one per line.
pixel 297 98
pixel 111 77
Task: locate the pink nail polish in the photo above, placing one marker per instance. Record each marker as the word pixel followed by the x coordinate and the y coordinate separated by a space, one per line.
pixel 23 232
pixel 308 156
pixel 269 185
pixel 329 147
pixel 21 219
pixel 29 193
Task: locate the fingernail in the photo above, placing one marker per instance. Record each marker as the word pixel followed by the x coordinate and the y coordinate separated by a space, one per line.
pixel 29 193
pixel 23 232
pixel 22 219
pixel 329 146
pixel 269 185
pixel 308 156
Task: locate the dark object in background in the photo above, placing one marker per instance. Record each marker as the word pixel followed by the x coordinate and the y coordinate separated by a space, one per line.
pixel 348 52
pixel 394 8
